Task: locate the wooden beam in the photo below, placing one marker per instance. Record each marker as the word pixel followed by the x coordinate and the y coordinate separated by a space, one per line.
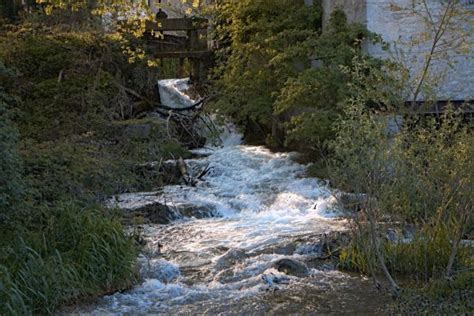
pixel 183 24
pixel 182 54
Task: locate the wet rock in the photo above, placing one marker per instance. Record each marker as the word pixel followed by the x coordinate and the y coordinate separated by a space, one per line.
pixel 291 267
pixel 159 269
pixel 198 211
pixel 156 213
pixel 231 257
pixel 273 278
pixel 328 246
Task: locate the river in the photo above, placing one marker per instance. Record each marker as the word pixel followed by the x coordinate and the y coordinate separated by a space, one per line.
pixel 266 213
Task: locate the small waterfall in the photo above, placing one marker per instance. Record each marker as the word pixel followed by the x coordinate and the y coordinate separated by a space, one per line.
pixel 175 93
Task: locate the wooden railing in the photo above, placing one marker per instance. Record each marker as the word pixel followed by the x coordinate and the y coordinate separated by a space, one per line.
pixel 187 40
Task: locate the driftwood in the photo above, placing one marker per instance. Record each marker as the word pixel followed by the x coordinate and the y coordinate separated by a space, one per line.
pixel 183 169
pixel 188 175
pixel 196 106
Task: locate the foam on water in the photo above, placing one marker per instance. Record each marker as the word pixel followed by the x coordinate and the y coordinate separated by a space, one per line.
pixel 265 204
pixel 173 93
pixel 268 210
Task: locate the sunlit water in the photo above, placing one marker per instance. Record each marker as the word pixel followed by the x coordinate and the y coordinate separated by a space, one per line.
pixel 265 210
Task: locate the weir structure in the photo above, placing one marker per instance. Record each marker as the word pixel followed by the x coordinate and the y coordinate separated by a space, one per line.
pixel 182 39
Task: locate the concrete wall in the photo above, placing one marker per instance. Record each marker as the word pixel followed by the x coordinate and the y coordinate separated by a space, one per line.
pixel 395 22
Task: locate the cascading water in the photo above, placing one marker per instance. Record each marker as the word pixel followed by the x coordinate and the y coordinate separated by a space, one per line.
pixel 259 254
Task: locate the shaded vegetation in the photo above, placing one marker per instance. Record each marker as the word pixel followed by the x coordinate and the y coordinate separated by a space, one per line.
pixel 66 145
pixel 73 132
pixel 63 254
pixel 420 177
pixel 264 80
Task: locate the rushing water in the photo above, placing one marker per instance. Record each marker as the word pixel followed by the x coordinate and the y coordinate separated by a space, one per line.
pixel 265 210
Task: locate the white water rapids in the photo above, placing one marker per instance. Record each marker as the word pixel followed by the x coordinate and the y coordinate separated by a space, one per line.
pixel 266 210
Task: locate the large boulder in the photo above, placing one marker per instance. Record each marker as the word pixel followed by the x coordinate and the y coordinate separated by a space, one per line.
pixel 198 211
pixel 155 213
pixel 291 267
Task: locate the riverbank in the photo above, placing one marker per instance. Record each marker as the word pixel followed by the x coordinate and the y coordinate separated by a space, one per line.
pixel 267 247
pixel 71 135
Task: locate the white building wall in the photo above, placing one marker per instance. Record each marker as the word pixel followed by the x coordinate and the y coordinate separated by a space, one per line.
pixel 396 22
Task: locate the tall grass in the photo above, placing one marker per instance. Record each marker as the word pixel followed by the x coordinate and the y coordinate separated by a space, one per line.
pixel 69 253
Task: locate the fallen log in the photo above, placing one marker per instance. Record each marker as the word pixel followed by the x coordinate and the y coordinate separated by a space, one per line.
pixel 196 106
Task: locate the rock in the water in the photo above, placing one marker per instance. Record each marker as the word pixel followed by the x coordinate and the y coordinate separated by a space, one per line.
pixel 161 270
pixel 229 258
pixel 156 213
pixel 291 267
pixel 197 211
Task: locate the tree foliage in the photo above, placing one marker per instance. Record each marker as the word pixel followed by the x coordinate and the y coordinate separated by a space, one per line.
pixel 265 77
pixel 261 44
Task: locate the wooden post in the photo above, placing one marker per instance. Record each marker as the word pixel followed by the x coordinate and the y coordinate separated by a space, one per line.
pixel 196 67
pixel 181 67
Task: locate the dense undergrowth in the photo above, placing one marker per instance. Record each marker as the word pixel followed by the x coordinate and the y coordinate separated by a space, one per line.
pixel 66 145
pixel 419 180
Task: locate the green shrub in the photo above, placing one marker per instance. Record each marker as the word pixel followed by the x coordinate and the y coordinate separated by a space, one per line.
pixel 264 77
pixel 422 175
pixel 422 258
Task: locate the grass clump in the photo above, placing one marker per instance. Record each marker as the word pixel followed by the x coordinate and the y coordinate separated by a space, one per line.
pixel 421 258
pixel 453 296
pixel 64 254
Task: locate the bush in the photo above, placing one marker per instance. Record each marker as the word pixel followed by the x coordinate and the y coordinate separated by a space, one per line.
pixel 422 175
pixel 422 258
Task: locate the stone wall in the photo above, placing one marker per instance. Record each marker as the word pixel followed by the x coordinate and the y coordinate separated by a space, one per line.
pixel 396 22
pixel 400 26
